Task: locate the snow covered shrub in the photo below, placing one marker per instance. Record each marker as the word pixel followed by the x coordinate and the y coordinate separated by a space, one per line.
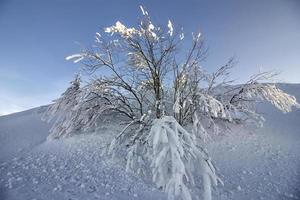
pixel 159 88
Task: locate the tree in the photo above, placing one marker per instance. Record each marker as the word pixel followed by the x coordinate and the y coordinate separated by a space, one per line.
pixel 160 88
pixel 62 111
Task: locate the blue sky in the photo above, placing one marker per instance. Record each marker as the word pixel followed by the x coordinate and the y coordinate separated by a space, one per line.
pixel 37 35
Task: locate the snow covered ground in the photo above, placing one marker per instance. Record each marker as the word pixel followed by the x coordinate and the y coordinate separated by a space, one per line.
pixel 255 164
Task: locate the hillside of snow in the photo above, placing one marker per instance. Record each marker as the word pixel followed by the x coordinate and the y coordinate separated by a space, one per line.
pixel 21 132
pixel 255 164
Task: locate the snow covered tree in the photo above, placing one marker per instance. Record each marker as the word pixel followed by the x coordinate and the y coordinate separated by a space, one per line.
pixel 160 88
pixel 61 112
pixel 141 61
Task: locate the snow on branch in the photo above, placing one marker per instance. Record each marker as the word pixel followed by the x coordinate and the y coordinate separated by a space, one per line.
pixel 122 30
pixel 270 93
pixel 174 156
pixel 170 27
pixel 76 57
pixel 144 12
pixel 211 107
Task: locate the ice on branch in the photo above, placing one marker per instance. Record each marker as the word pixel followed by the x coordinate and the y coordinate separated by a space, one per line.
pixel 76 57
pixel 181 36
pixel 148 29
pixel 170 27
pixel 98 37
pixel 197 37
pixel 143 11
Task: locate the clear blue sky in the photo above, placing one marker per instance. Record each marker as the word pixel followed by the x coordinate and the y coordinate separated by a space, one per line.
pixel 36 36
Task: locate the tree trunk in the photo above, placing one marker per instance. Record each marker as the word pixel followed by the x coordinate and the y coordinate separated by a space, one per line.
pixel 157 90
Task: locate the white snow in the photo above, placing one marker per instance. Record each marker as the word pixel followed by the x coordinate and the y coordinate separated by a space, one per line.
pixel 170 27
pixel 76 57
pixel 143 11
pixel 181 36
pixel 256 164
pixel 122 30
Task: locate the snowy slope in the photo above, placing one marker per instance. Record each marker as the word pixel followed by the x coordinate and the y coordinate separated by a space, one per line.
pixel 264 163
pixel 21 132
pixel 73 168
pixel 256 164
